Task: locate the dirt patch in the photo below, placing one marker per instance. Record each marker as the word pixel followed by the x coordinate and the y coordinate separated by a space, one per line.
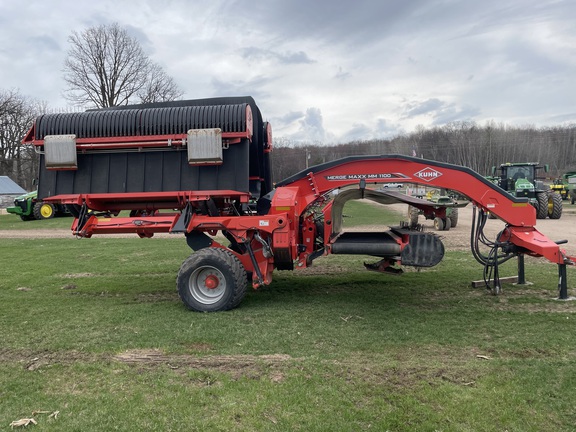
pixel 77 275
pixel 157 356
pixel 36 233
pixel 234 365
pixel 32 360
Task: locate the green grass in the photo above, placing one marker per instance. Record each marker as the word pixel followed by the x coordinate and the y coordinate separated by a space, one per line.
pixel 13 222
pixel 332 347
pixel 357 213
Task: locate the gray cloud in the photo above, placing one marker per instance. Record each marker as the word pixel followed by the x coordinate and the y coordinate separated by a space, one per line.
pixel 44 44
pixel 335 22
pixel 311 127
pixel 452 113
pixel 289 118
pixel 425 107
pixel 341 75
pixel 259 54
pixel 252 87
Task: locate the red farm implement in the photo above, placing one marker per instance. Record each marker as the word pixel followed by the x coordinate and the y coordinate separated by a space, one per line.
pixel 202 167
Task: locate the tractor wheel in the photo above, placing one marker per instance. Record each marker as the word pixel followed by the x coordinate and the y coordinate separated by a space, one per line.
pixel 438 224
pixel 413 213
pixel 211 280
pixel 44 210
pixel 453 217
pixel 542 209
pixel 555 206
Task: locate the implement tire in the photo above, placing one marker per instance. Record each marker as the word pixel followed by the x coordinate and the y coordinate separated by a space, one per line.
pixel 211 280
pixel 555 206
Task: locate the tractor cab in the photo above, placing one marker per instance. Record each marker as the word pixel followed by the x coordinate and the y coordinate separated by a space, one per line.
pixel 522 181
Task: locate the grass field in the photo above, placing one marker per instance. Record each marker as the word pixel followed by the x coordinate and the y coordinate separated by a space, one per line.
pixel 94 329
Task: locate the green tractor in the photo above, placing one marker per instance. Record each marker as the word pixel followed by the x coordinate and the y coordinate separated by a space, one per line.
pixel 28 207
pixel 521 180
pixel 566 186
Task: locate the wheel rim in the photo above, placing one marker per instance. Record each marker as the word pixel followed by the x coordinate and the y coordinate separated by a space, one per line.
pixel 207 285
pixel 46 211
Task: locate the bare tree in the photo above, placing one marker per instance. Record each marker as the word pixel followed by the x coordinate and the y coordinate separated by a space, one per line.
pixel 17 114
pixel 159 87
pixel 106 67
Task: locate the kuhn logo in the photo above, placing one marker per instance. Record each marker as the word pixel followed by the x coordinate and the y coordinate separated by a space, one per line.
pixel 428 174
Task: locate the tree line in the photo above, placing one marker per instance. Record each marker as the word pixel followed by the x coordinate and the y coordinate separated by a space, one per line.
pixel 17 114
pixel 479 147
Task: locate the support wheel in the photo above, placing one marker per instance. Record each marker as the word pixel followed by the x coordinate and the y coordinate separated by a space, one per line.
pixel 542 209
pixel 44 210
pixel 211 280
pixel 555 206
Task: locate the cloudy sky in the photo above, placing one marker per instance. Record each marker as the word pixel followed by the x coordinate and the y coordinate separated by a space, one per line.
pixel 326 70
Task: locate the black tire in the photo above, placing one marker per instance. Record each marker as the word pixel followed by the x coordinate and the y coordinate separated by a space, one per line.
pixel 26 218
pixel 44 210
pixel 555 207
pixel 211 280
pixel 453 217
pixel 542 209
pixel 447 224
pixel 439 224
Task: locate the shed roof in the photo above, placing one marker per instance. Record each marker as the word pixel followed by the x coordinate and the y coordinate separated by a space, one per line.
pixel 9 187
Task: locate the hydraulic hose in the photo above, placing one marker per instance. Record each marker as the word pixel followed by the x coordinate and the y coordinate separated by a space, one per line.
pixel 493 259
